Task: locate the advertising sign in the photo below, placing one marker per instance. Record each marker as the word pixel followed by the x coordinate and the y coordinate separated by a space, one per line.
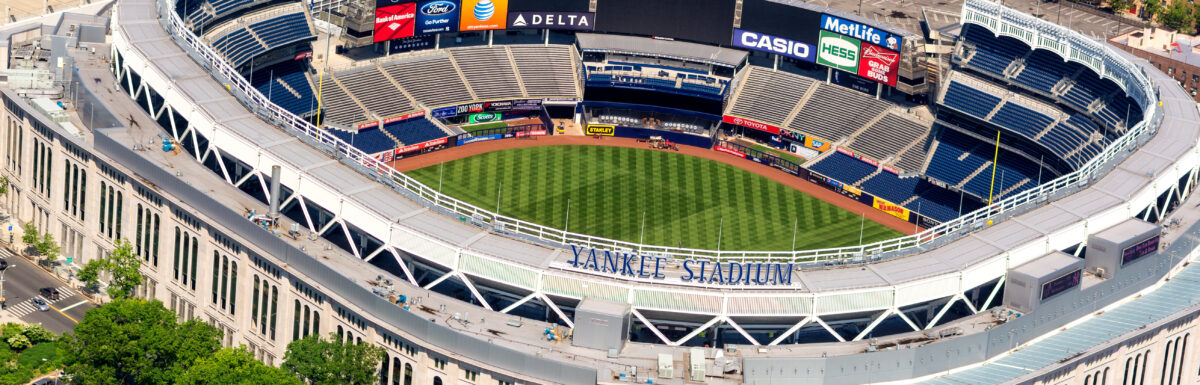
pixel 577 21
pixel 483 138
pixel 1061 284
pixel 482 15
pixel 404 117
pixel 444 112
pixel 394 19
pixel 730 151
pixel 437 16
pixel 414 43
pixel 1142 249
pixel 421 146
pixel 838 51
pixel 601 129
pixel 484 117
pixel 861 32
pixel 776 45
pixel 751 124
pixel 816 144
pixel 890 208
pixel 522 134
pixel 303 55
pixel 878 64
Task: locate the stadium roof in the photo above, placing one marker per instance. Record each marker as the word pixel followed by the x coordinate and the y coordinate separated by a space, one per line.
pixel 661 48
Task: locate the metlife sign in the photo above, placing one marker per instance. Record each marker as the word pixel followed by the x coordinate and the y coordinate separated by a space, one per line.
pixel 861 32
pixel 576 21
pixel 773 44
pixel 838 51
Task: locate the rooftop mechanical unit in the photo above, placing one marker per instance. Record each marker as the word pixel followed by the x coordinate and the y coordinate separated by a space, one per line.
pixel 601 324
pixel 1036 281
pixel 1124 243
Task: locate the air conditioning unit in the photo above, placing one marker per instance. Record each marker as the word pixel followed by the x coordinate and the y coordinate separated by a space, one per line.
pixel 696 369
pixel 666 366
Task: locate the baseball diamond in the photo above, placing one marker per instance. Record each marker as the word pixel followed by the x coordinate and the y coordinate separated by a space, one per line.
pixel 688 201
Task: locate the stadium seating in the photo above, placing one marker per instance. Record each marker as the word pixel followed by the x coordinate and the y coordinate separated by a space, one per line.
pixel 955 157
pixel 1043 69
pixel 767 95
pixel 371 140
pixel 939 203
pixel 891 186
pixel 912 159
pixel 826 115
pixel 888 136
pixel 431 80
pixel 844 168
pixel 287 86
pixel 969 100
pixel 414 131
pixel 267 30
pixel 547 71
pixel 381 97
pixel 992 55
pixel 337 106
pixel 488 70
pixel 1022 120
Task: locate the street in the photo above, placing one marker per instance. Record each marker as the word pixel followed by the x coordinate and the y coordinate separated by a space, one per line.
pixel 22 280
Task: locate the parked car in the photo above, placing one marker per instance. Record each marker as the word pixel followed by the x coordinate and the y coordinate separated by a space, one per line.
pixel 3 263
pixel 41 304
pixel 50 293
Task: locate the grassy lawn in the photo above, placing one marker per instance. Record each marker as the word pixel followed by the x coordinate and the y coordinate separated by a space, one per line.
pixel 782 154
pixel 482 126
pixel 686 200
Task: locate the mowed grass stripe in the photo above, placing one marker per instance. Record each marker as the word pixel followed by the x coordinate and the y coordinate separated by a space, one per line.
pixel 685 199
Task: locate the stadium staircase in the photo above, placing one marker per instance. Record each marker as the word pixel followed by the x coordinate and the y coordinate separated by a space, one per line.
pixel 800 105
pixel 911 162
pixel 986 165
pixel 393 138
pixel 395 83
pixel 342 91
pixel 462 77
pixel 865 127
pixel 869 176
pixel 741 84
pixel 257 38
pixel 1014 187
pixel 513 62
pixel 280 82
pixel 991 114
pixel 933 145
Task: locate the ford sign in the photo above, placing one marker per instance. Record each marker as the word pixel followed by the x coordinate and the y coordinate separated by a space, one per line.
pixel 777 45
pixel 437 16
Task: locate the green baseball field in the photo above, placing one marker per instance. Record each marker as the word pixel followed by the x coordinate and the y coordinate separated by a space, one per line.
pixel 686 200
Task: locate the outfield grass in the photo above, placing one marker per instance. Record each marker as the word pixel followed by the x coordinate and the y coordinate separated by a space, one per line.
pixel 685 199
pixel 781 153
pixel 483 126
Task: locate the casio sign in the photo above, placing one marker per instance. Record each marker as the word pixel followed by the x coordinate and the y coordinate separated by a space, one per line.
pixel 767 43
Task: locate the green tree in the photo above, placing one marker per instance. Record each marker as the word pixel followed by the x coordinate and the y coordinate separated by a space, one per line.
pixel 135 341
pixel 4 186
pixel 121 264
pixel 235 366
pixel 48 247
pixel 90 273
pixel 1119 6
pixel 319 361
pixel 30 235
pixel 1178 15
pixel 1151 9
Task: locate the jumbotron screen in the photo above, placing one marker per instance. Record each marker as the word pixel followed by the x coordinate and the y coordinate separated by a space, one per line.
pixel 706 21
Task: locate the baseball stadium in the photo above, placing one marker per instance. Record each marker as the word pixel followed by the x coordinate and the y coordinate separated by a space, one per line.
pixel 618 191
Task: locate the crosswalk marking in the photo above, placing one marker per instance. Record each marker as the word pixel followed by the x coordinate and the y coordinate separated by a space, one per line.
pixel 73 306
pixel 23 309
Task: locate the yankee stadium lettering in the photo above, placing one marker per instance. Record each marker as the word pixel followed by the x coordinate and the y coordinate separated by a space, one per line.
pixel 697 270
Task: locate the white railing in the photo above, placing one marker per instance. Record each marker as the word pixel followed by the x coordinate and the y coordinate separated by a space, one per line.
pixel 931 237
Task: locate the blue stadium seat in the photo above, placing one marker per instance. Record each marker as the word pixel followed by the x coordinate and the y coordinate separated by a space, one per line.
pixel 1022 120
pixel 993 55
pixel 891 187
pixel 414 131
pixel 1044 69
pixel 843 168
pixel 970 100
pixel 291 73
pixel 370 140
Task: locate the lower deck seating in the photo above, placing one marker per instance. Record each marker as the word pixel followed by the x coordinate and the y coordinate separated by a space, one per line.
pixel 287 86
pixel 414 131
pixel 844 168
pixel 369 140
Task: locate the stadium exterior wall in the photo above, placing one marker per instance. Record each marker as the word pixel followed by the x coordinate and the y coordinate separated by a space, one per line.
pixel 573 284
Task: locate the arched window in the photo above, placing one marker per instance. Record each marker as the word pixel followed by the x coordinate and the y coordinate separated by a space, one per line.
pixel 307 319
pixel 395 371
pixel 296 321
pixel 232 287
pixel 341 336
pixel 216 272
pixel 254 302
pixel 437 380
pixel 408 374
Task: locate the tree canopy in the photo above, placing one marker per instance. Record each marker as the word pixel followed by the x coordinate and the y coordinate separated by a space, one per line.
pixel 122 265
pixel 235 366
pixel 327 362
pixel 135 341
